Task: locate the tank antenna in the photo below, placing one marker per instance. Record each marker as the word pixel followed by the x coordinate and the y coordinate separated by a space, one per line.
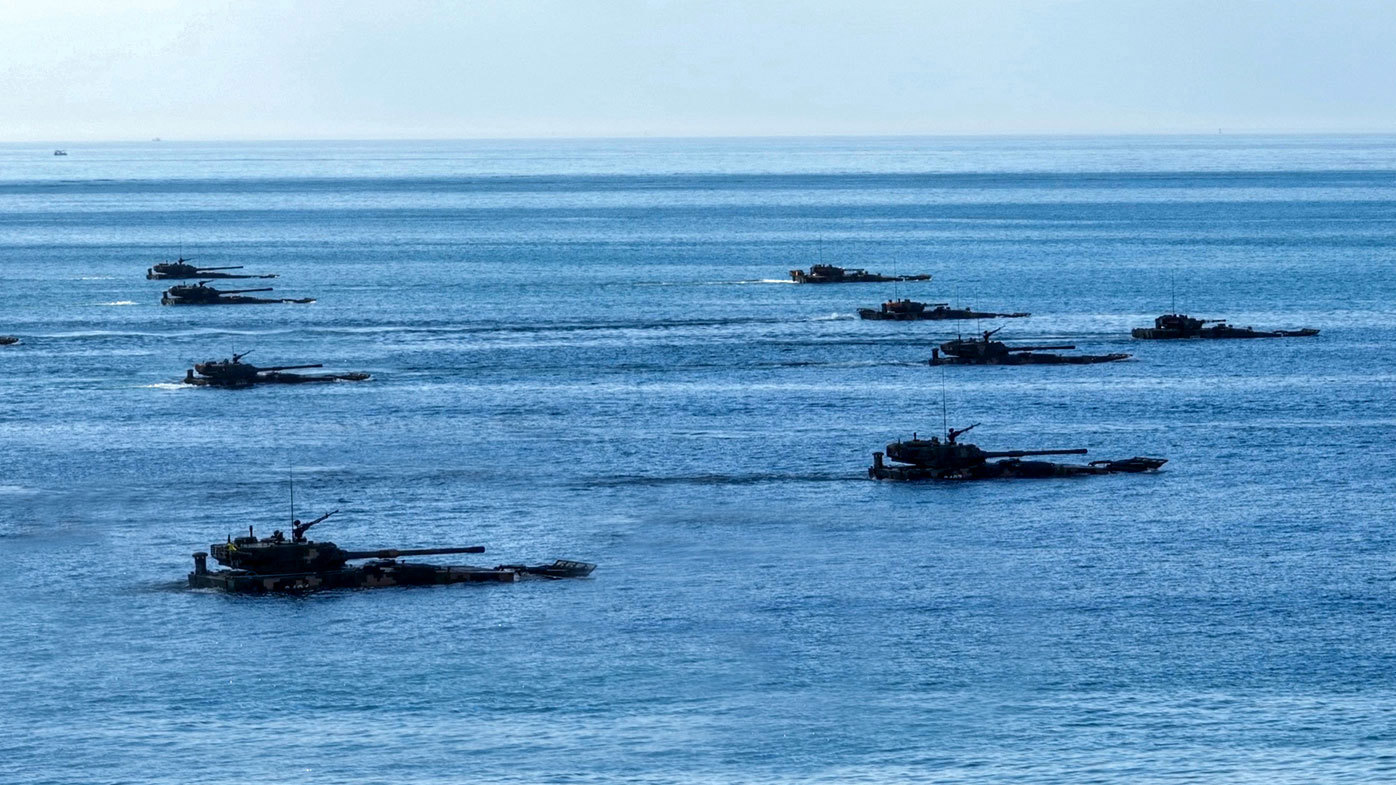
pixel 944 419
pixel 959 335
pixel 896 275
pixel 291 477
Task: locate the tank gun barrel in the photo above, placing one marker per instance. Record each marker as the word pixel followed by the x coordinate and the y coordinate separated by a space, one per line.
pixel 1038 348
pixel 291 367
pixel 243 291
pixel 1024 453
pixel 233 267
pixel 393 553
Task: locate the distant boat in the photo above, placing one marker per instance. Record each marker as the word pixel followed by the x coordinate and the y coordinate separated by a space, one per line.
pixel 60 152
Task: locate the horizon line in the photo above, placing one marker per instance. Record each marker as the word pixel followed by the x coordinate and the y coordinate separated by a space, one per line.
pixel 696 137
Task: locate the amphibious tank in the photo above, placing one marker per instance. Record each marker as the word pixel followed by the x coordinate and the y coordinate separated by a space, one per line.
pixel 182 269
pixel 1176 325
pixel 933 459
pixel 983 351
pixel 295 564
pixel 8 340
pixel 827 273
pixel 910 310
pixel 203 294
pixel 236 373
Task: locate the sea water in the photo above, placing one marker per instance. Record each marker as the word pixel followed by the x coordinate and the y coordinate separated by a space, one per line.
pixel 590 350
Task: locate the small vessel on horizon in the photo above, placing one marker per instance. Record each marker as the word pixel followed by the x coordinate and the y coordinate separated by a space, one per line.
pixel 60 152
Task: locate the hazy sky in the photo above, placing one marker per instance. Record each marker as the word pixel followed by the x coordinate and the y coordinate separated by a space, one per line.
pixel 135 69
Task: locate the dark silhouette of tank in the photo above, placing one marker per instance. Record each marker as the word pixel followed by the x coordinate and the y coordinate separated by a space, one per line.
pixel 296 564
pixel 827 273
pixel 933 459
pixel 182 269
pixel 1176 325
pixel 203 294
pixel 236 373
pixel 8 340
pixel 975 351
pixel 910 310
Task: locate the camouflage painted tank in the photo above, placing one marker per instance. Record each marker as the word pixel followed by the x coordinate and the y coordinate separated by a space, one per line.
pixel 203 294
pixel 1176 325
pixel 983 351
pixel 910 310
pixel 933 459
pixel 827 273
pixel 236 373
pixel 296 564
pixel 182 269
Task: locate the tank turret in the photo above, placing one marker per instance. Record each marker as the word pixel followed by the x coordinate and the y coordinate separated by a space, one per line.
pixel 224 366
pixel 1177 321
pixel 277 554
pixel 983 351
pixel 236 367
pixel 269 555
pixel 182 269
pixel 203 294
pixel 951 455
pixel 908 306
pixel 972 347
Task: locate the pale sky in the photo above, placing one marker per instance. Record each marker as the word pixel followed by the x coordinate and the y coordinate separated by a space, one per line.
pixel 135 69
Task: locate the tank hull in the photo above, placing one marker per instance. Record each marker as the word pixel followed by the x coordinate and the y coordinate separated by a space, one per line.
pixel 800 276
pixel 1027 358
pixel 1217 332
pixel 376 575
pixel 934 315
pixel 231 300
pixel 155 275
pixel 1012 468
pixel 275 377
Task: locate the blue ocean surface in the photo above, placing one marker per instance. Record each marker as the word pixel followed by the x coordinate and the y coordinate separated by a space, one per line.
pixel 591 350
